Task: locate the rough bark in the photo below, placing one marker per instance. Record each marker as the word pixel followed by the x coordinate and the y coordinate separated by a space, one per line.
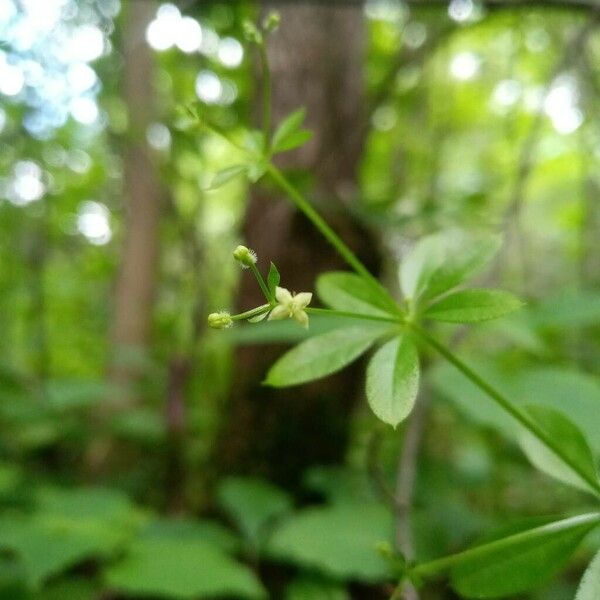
pixel 316 59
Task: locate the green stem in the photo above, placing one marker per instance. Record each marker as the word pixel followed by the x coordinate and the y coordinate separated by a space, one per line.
pixel 515 411
pixel 262 283
pixel 303 205
pixel 441 565
pixel 259 310
pixel 351 315
pixel 266 123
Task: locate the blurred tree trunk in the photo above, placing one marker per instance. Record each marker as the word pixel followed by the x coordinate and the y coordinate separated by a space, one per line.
pixel 316 58
pixel 143 198
pixel 136 281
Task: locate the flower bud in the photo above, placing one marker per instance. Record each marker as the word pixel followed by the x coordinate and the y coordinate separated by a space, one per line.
pixel 220 320
pixel 271 22
pixel 245 256
pixel 251 33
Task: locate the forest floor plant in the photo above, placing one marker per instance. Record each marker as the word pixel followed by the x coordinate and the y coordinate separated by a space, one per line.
pixel 431 280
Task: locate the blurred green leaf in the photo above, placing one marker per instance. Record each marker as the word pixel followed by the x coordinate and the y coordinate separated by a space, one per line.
pixel 589 588
pixel 442 261
pixel 181 568
pixel 471 306
pixel 393 380
pixel 288 134
pixel 209 532
pixel 226 175
pixel 68 527
pixel 564 433
pixel 253 504
pixel 520 562
pixel 567 309
pixel 338 540
pixel 544 386
pixel 313 588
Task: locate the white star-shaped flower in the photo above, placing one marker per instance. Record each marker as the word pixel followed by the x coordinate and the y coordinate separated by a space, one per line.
pixel 291 306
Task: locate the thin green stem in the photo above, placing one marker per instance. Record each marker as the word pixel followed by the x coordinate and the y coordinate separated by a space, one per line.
pixel 351 315
pixel 441 565
pixel 261 282
pixel 266 122
pixel 515 411
pixel 259 310
pixel 303 205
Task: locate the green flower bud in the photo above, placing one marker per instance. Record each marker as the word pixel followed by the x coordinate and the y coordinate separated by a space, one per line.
pixel 271 22
pixel 220 320
pixel 251 33
pixel 245 256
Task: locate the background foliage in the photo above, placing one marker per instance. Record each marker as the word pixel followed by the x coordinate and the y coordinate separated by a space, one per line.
pixel 120 469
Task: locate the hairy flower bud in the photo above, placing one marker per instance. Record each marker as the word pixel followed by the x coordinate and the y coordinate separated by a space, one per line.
pixel 220 320
pixel 245 256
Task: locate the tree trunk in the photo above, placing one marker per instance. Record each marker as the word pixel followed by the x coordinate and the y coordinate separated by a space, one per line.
pixel 135 285
pixel 316 62
pixel 136 281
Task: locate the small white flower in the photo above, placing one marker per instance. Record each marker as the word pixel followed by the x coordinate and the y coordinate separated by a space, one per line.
pixel 291 306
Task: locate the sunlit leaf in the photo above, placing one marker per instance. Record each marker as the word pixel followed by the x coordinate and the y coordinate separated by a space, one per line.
pixel 471 306
pixel 393 380
pixel 519 562
pixel 349 292
pixel 572 442
pixel 322 355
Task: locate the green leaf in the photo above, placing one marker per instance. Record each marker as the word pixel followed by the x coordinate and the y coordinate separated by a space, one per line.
pixel 226 175
pixel 349 292
pixel 254 141
pixel 273 279
pixel 295 140
pixel 547 386
pixel 340 541
pixel 209 532
pixel 519 562
pixel 253 504
pixel 69 526
pixel 589 588
pixel 256 170
pixel 181 568
pixel 573 443
pixel 322 355
pixel 471 306
pixel 442 261
pixel 314 588
pixel 287 129
pixel 393 380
